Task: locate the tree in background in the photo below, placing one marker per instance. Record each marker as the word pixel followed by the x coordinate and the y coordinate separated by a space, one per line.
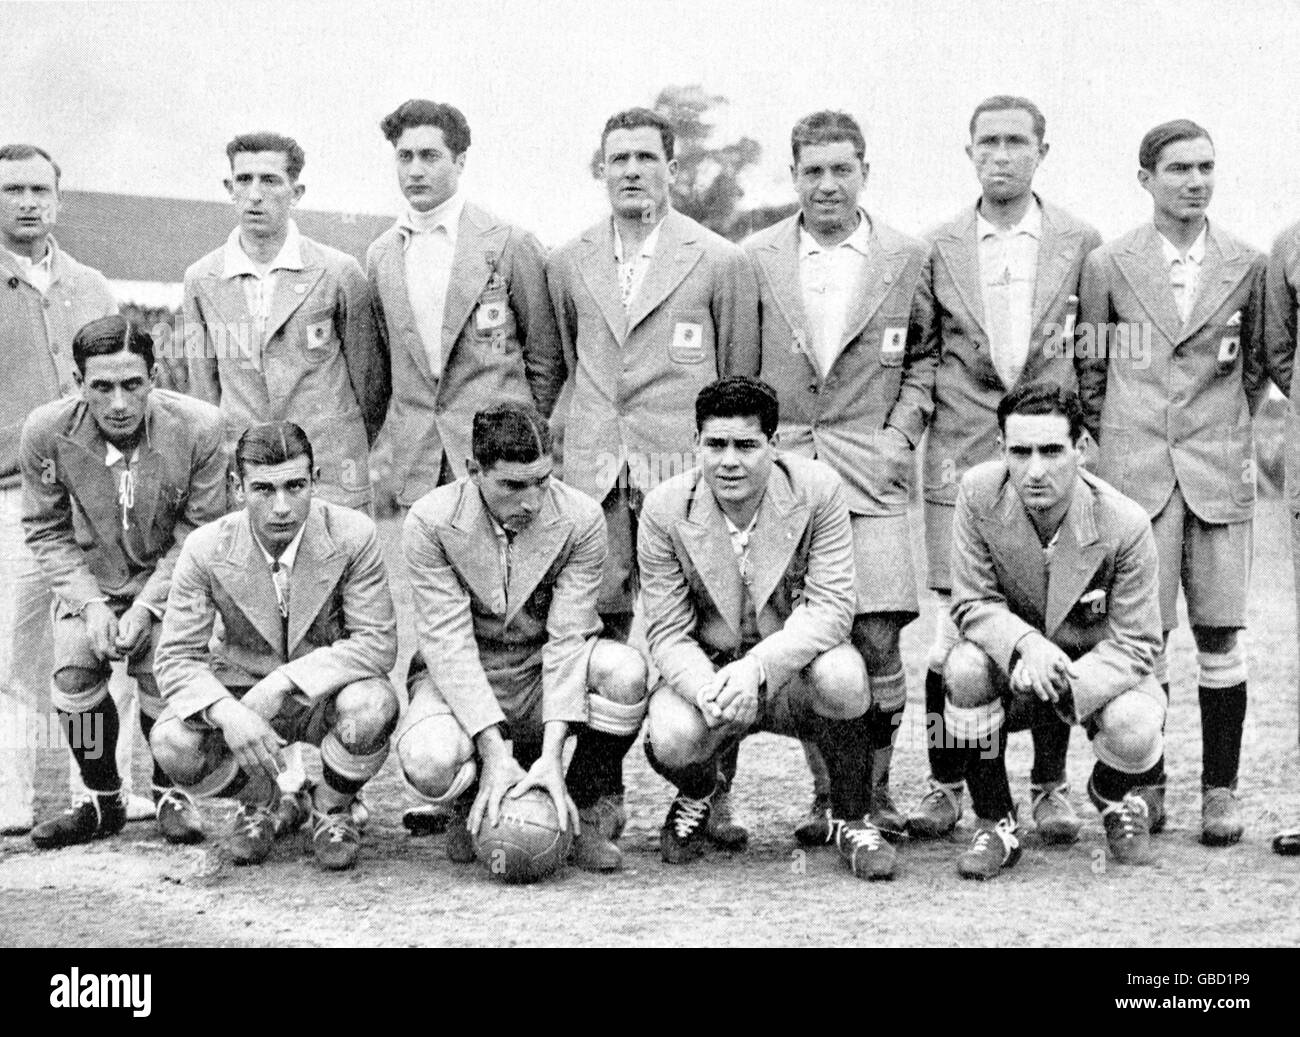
pixel 708 186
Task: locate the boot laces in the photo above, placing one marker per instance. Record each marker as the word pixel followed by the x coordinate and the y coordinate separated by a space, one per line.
pixel 688 816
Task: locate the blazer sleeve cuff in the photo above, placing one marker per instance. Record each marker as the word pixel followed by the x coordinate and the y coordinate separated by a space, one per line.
pixel 911 423
pixel 1007 641
pixel 477 714
pixel 310 677
pixel 196 694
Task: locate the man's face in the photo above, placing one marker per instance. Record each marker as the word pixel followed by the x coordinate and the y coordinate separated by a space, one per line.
pixel 638 174
pixel 1005 152
pixel 263 194
pixel 29 201
pixel 427 172
pixel 278 497
pixel 1183 183
pixel 513 491
pixel 116 388
pixel 1042 460
pixel 735 458
pixel 828 179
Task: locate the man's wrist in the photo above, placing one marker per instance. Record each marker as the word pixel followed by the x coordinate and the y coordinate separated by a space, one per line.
pixel 216 713
pixel 490 745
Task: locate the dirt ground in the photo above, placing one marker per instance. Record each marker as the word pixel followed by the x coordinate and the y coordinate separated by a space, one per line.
pixel 136 890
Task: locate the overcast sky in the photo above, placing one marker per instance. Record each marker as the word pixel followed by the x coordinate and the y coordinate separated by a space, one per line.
pixel 141 97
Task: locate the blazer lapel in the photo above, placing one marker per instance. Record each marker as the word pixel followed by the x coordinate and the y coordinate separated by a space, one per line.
pixel 226 296
pixel 291 288
pixel 1222 271
pixel 148 483
pixel 1011 531
pixel 1142 265
pixel 884 262
pixel 246 577
pixel 675 256
pixel 779 262
pixel 471 545
pixel 469 274
pixel 393 258
pixel 1075 559
pixel 704 536
pixel 83 464
pixel 316 571
pixel 600 274
pixel 534 549
pixel 1056 251
pixel 960 251
pixel 782 519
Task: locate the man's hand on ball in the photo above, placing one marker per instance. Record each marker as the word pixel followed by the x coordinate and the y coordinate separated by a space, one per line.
pixel 500 773
pixel 548 774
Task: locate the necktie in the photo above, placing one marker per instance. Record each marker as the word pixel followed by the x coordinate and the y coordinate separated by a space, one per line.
pixel 280 577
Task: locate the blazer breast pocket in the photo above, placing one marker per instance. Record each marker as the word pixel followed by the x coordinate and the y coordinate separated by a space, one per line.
pixel 893 341
pixel 689 343
pixel 493 321
pixel 1092 607
pixel 319 342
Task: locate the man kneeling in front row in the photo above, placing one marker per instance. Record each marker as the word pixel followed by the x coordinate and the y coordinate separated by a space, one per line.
pixel 302 653
pixel 1056 597
pixel 505 568
pixel 748 586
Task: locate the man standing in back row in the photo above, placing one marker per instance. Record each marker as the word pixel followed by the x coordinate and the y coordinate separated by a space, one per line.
pixel 651 307
pixel 1006 285
pixel 280 328
pixel 1174 427
pixel 848 343
pixel 463 301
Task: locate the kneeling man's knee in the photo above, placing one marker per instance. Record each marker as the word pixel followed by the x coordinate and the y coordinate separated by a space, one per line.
pixel 178 749
pixel 839 682
pixel 968 676
pixel 1129 736
pixel 675 732
pixel 437 756
pixel 367 714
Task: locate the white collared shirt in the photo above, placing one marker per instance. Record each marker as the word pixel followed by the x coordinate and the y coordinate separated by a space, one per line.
pixel 632 272
pixel 282 568
pixel 830 277
pixel 1008 268
pixel 259 285
pixel 430 250
pixel 1185 271
pixel 740 539
pixel 38 273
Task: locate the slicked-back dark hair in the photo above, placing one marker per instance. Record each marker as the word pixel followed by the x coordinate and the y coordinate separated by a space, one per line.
pixel 272 443
pixel 22 152
pixel 294 157
pixel 1043 397
pixel 827 127
pixel 1011 103
pixel 634 118
pixel 513 432
pixel 420 112
pixel 738 396
pixel 1160 137
pixel 108 335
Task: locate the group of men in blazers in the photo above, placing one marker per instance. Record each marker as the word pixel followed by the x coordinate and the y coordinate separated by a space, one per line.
pixel 774 583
